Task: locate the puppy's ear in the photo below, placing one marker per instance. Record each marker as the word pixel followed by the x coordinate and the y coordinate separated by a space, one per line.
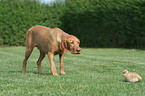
pixel 64 46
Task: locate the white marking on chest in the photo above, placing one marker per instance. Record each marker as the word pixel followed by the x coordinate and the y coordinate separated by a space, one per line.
pixel 58 38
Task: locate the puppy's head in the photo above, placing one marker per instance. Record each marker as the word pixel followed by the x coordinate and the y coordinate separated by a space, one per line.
pixel 125 71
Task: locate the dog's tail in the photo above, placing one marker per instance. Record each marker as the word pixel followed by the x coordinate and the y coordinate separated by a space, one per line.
pixel 26 35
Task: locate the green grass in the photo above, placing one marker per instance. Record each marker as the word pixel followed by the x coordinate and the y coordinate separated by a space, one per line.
pixel 95 72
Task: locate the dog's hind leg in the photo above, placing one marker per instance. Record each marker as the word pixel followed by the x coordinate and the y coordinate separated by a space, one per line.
pixel 29 49
pixel 41 57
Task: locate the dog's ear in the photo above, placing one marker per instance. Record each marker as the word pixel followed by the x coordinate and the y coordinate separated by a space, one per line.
pixel 64 46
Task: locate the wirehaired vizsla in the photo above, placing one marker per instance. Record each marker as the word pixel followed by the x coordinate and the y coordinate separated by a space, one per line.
pixel 51 42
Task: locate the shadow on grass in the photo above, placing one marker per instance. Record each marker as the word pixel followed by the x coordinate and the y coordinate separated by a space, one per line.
pixel 32 72
pixel 131 82
pixel 35 73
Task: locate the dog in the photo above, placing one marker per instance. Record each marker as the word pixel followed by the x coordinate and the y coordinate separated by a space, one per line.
pixel 131 76
pixel 51 42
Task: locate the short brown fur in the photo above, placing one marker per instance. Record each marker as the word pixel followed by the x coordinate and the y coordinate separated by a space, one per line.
pixel 131 76
pixel 51 42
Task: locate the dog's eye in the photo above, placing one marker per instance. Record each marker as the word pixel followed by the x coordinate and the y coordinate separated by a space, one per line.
pixel 71 42
pixel 78 42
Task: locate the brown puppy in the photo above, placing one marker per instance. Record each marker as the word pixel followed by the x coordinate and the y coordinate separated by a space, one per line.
pixel 131 76
pixel 50 42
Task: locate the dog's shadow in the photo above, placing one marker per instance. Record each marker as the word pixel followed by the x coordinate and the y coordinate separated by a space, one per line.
pixel 124 80
pixel 30 72
pixel 131 82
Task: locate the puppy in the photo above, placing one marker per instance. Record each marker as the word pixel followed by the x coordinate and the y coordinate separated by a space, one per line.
pixel 131 76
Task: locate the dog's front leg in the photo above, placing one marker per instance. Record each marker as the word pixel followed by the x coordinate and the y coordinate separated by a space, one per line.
pixel 61 64
pixel 53 69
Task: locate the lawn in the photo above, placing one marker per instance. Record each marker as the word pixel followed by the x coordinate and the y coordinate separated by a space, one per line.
pixel 95 72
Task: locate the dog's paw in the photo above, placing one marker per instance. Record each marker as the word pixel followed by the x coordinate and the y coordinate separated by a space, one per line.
pixel 55 74
pixel 62 73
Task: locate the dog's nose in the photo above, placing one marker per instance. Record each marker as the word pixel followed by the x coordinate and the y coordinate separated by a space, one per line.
pixel 78 49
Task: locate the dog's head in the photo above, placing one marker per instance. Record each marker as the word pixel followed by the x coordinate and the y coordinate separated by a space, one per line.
pixel 125 71
pixel 71 43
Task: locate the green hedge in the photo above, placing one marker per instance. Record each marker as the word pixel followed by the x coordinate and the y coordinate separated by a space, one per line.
pixel 97 23
pixel 107 23
pixel 17 16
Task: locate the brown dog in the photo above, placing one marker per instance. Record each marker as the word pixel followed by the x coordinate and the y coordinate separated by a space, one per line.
pixel 50 42
pixel 131 76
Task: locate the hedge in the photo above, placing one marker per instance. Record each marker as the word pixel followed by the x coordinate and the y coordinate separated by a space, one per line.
pixel 107 23
pixel 97 23
pixel 17 16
